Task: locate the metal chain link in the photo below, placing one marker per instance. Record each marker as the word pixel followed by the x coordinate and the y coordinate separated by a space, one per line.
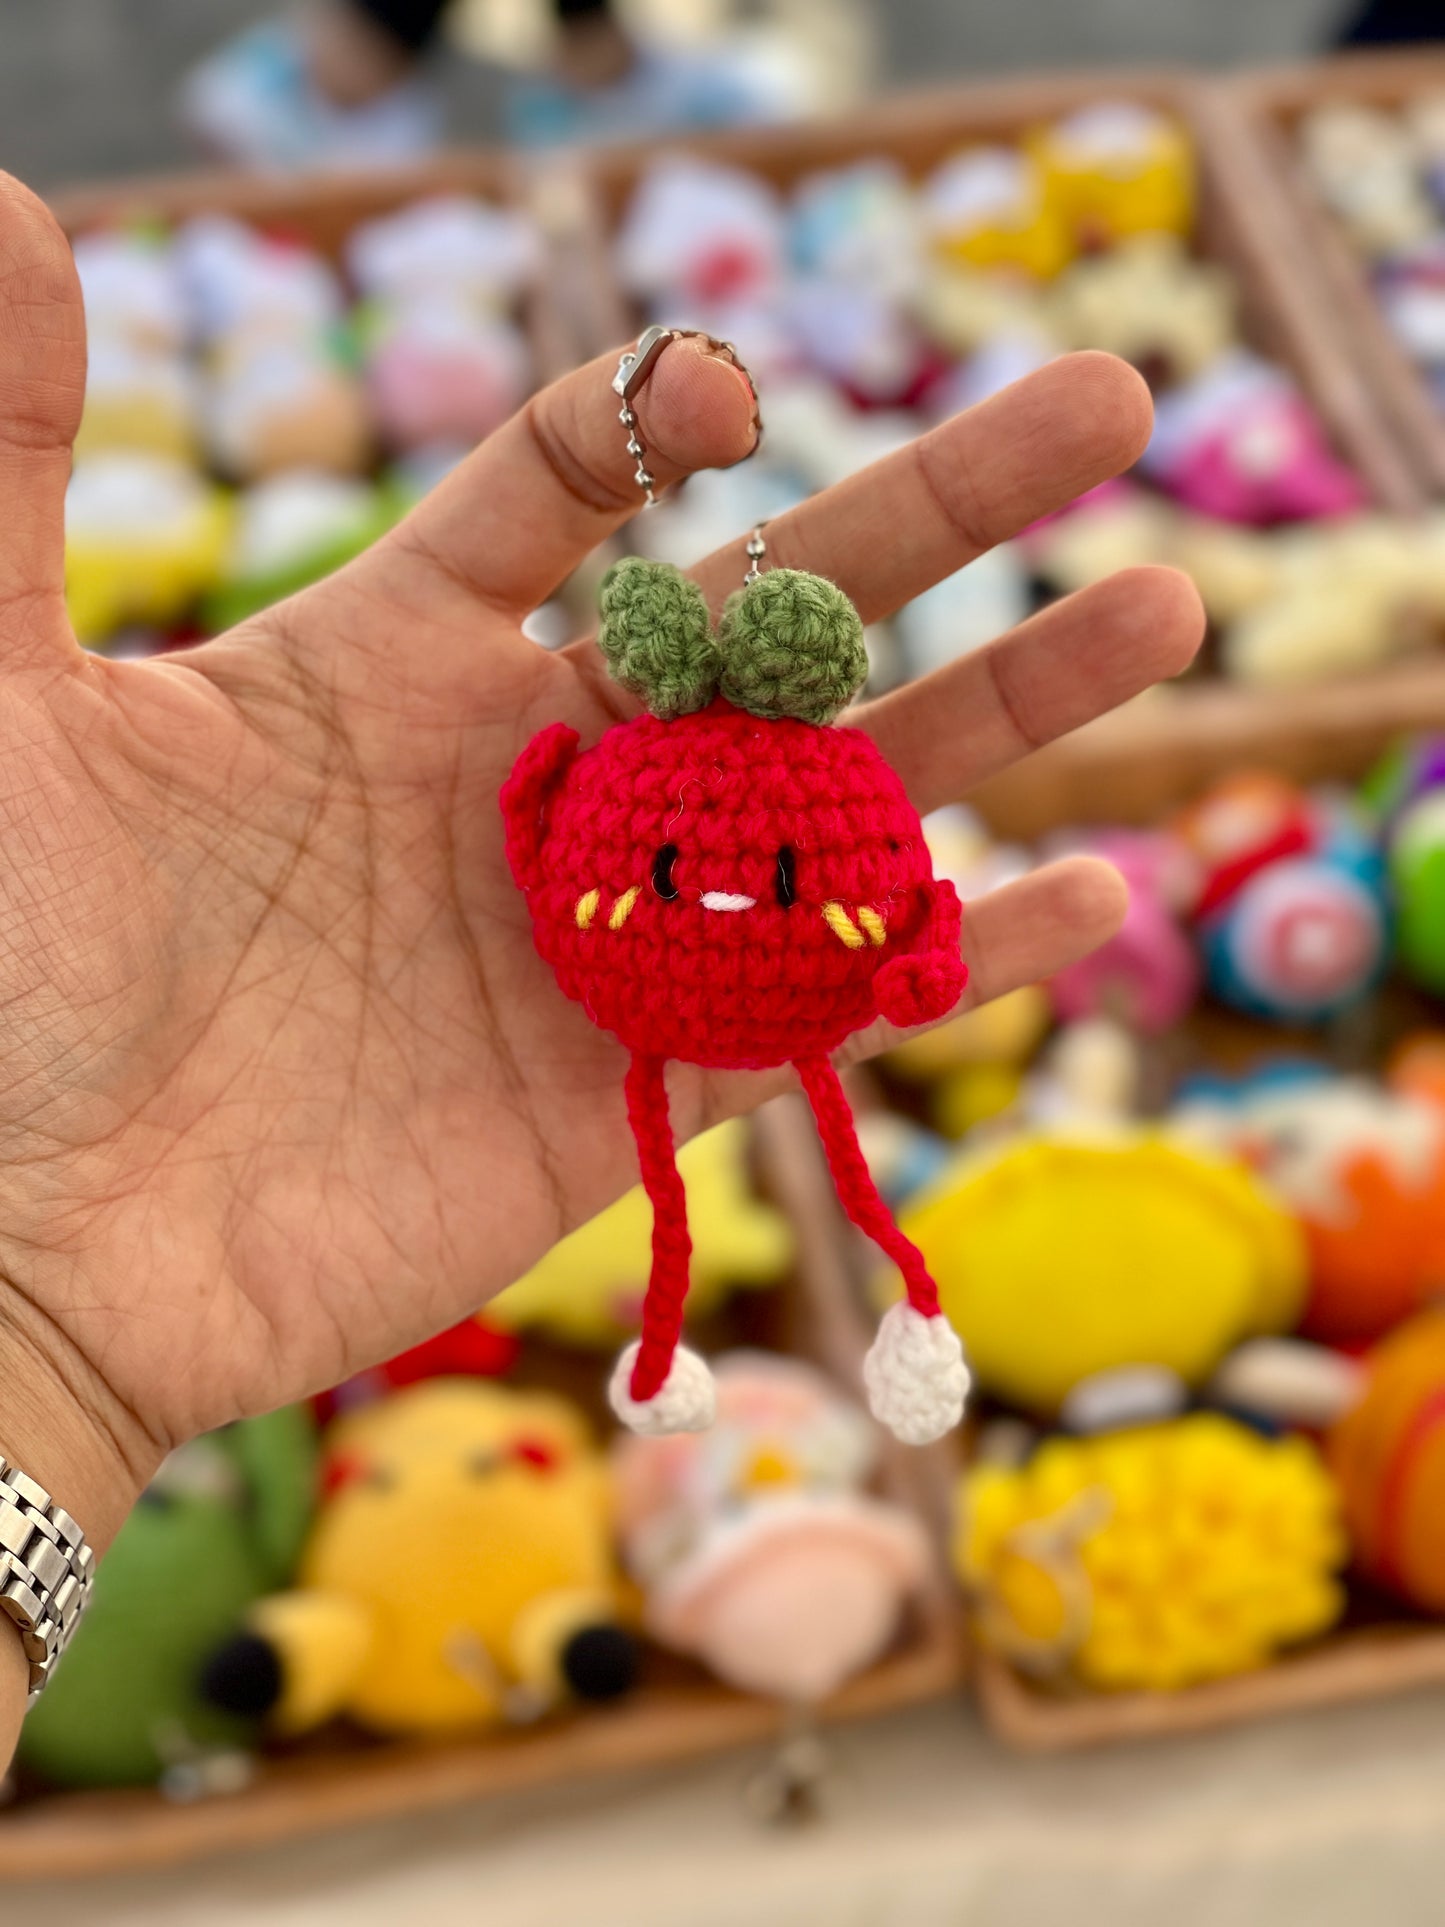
pixel 46 1571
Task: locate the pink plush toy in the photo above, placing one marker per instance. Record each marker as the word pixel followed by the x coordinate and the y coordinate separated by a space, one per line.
pixel 1240 443
pixel 1148 975
pixel 757 1548
pixel 447 374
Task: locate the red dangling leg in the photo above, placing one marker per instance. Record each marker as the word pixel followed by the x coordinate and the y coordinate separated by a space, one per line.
pixel 671 1244
pixel 659 1386
pixel 853 1181
pixel 914 1372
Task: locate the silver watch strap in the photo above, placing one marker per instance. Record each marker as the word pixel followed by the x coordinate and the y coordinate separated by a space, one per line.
pixel 46 1571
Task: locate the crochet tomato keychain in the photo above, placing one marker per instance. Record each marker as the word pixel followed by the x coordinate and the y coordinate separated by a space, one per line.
pixel 733 880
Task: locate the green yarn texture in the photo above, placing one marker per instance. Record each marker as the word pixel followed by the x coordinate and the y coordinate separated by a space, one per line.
pixel 656 636
pixel 789 644
pixel 792 645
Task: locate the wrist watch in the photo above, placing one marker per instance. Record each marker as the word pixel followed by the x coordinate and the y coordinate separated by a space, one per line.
pixel 46 1571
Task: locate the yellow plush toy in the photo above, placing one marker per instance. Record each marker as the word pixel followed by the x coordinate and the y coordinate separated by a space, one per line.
pixel 987 208
pixel 1117 169
pixel 1060 1257
pixel 589 1288
pixel 460 1573
pixel 1152 1558
pixel 144 538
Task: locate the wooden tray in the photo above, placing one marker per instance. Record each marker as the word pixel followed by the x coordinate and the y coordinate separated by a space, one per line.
pixel 920 130
pixel 1326 278
pixel 1159 751
pixel 678 1716
pixel 1369 1664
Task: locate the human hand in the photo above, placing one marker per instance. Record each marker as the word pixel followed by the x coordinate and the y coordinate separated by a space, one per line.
pixel 285 1084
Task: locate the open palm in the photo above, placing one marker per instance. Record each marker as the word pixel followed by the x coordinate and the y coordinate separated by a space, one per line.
pixel 283 1084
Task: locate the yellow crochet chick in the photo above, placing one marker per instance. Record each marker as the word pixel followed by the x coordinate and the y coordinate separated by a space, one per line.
pixel 588 1290
pixel 459 1574
pixel 1152 1558
pixel 1116 169
pixel 1061 1256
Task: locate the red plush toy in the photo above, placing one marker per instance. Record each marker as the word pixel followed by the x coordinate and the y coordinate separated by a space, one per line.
pixel 733 883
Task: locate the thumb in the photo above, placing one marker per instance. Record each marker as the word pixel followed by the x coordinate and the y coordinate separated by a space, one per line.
pixel 42 386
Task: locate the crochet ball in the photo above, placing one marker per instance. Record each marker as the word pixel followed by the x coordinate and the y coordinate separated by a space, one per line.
pixel 722 889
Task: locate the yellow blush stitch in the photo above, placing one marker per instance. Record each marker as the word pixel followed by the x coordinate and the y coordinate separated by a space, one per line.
pixel 875 926
pixel 622 909
pixel 842 926
pixel 587 909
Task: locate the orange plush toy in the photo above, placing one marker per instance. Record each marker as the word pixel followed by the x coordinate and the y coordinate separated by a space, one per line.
pixel 1362 1166
pixel 1388 1454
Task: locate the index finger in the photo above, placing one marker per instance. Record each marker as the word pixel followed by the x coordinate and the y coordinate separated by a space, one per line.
pixel 514 519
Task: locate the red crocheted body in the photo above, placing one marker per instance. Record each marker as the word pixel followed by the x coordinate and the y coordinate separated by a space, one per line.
pixel 722 794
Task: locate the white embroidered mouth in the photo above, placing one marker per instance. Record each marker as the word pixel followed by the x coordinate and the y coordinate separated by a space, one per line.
pixel 726 900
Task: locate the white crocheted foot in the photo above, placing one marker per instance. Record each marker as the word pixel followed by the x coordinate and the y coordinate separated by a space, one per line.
pixel 915 1374
pixel 686 1403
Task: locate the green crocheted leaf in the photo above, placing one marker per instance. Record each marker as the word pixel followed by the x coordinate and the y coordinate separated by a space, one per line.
pixel 792 645
pixel 656 636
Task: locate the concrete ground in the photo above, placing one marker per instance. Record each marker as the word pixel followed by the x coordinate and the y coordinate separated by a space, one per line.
pixel 86 85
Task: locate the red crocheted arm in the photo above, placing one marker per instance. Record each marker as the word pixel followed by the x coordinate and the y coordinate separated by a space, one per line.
pixel 525 796
pixel 926 982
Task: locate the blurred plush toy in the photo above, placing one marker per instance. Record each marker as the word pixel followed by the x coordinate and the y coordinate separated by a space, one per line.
pixel 1147 976
pixel 1388 1453
pixel 589 1288
pixel 472 1348
pixel 275 404
pixel 973 1065
pixel 503 1497
pixel 447 245
pixel 139 392
pixel 858 225
pixel 1153 1558
pixel 445 360
pixel 138 399
pixel 702 236
pixel 967 310
pixel 241 284
pixel 144 537
pixel 1116 169
pixel 1241 443
pixel 987 208
pixel 1290 911
pixel 290 531
pixel 1362 162
pixel 1151 303
pixel 1061 1256
pixel 444 371
pixel 758 1549
pixel 1408 793
pixel 1362 1166
pixel 1118 525
pixel 132 289
pixel 219 1526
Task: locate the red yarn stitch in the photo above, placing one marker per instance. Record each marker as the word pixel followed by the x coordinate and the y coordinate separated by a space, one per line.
pixel 857 1192
pixel 735 989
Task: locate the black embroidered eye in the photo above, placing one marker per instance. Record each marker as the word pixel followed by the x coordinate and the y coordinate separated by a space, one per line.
pixel 785 877
pixel 662 872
